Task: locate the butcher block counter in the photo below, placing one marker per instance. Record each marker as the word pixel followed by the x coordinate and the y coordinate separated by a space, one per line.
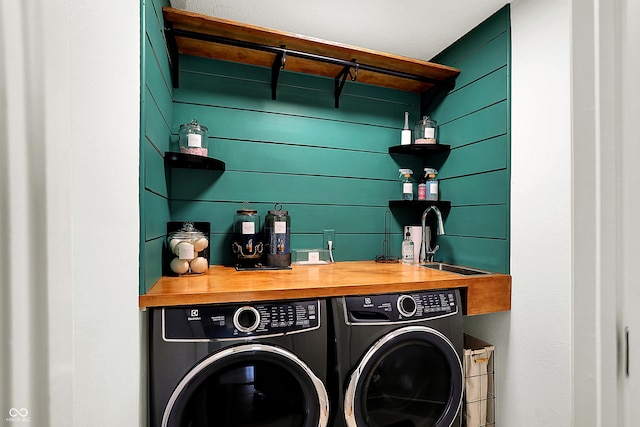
pixel 481 294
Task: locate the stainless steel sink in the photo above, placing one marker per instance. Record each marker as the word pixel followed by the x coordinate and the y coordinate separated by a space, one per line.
pixel 465 271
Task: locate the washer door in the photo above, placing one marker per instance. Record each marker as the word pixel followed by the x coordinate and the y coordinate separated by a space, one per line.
pixel 410 377
pixel 249 385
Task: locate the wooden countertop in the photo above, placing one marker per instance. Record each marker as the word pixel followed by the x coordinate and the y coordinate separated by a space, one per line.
pixel 482 293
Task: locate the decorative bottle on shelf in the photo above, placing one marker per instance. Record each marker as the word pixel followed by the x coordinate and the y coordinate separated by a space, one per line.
pixel 407 184
pixel 422 186
pixel 407 249
pixel 431 185
pixel 405 139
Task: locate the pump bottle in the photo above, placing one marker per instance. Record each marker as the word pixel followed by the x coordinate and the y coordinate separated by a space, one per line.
pixel 407 249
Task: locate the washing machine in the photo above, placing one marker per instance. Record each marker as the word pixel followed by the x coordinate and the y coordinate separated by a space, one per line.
pixel 259 364
pixel 398 359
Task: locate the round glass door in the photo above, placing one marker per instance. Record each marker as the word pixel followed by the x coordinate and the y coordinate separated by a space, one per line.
pixel 411 377
pixel 249 385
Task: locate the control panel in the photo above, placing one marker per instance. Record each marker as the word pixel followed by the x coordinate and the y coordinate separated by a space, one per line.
pixel 389 308
pixel 217 322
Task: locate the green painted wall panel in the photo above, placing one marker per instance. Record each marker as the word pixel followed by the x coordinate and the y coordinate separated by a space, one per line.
pixel 474 97
pixel 491 188
pixel 484 61
pixel 156 114
pixel 156 224
pixel 154 173
pixel 487 254
pixel 483 124
pixel 152 264
pixel 156 129
pixel 269 188
pixel 251 125
pixel 315 161
pixel 316 100
pixel 478 221
pixel 475 175
pixel 305 218
pixel 484 156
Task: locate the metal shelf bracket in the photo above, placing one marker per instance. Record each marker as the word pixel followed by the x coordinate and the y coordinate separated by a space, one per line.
pixel 341 78
pixel 278 64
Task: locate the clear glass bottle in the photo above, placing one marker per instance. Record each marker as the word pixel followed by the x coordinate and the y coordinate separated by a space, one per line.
pixel 407 184
pixel 432 185
pixel 407 249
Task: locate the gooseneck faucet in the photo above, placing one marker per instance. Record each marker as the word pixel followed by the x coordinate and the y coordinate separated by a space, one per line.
pixel 426 252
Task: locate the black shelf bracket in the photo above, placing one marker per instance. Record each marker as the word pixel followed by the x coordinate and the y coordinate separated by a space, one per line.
pixel 341 78
pixel 432 97
pixel 174 56
pixel 278 64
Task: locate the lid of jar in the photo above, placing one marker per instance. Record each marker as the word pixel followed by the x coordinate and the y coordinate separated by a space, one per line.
pixel 194 125
pixel 247 211
pixel 427 121
pixel 187 232
pixel 277 211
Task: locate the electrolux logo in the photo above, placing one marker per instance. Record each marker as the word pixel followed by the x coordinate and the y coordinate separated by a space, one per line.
pixel 18 415
pixel 195 315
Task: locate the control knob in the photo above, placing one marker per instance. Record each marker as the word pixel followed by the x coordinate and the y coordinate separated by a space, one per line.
pixel 406 305
pixel 246 319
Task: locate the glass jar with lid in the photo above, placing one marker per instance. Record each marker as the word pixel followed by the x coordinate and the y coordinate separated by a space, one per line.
pixel 193 139
pixel 277 230
pixel 247 245
pixel 426 131
pixel 188 250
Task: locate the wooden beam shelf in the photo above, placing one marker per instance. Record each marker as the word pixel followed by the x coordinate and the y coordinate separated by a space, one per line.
pixel 206 36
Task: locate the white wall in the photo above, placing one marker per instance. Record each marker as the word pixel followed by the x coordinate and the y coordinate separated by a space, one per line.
pixel 69 128
pixel 104 145
pixel 533 341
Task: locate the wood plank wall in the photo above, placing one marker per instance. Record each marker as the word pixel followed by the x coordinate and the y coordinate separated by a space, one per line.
pixel 328 167
pixel 475 120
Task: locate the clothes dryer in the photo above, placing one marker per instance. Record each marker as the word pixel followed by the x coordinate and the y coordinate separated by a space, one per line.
pixel 235 365
pixel 398 359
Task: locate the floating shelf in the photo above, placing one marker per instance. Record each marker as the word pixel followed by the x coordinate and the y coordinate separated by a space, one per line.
pixel 206 36
pixel 189 161
pixel 419 204
pixel 419 149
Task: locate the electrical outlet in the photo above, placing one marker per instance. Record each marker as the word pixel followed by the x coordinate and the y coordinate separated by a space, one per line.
pixel 328 235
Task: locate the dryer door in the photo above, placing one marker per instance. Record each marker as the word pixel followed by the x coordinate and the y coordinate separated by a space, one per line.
pixel 249 385
pixel 410 377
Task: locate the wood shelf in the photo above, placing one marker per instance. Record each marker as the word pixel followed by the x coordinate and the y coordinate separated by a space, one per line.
pixel 206 36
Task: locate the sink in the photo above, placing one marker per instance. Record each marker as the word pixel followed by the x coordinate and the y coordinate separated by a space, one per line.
pixel 465 271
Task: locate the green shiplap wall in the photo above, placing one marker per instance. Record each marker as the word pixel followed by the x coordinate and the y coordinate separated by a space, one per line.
pixel 475 120
pixel 328 167
pixel 155 131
